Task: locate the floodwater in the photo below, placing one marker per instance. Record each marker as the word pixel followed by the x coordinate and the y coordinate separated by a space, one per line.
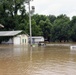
pixel 50 60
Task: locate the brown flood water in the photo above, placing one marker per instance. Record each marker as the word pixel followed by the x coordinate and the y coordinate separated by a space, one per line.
pixel 22 60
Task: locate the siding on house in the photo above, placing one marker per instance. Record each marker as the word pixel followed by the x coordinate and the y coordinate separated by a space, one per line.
pixel 18 40
pixel 24 39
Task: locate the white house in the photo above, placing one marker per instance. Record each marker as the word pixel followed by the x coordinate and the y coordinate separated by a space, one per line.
pixel 20 39
pixel 37 39
pixel 16 37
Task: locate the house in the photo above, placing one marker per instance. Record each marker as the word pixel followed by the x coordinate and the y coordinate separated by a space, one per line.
pixel 37 39
pixel 20 39
pixel 16 37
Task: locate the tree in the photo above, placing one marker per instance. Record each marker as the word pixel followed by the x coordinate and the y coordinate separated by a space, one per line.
pixel 46 29
pixel 36 30
pixel 73 29
pixel 38 18
pixel 11 13
pixel 52 18
pixel 60 30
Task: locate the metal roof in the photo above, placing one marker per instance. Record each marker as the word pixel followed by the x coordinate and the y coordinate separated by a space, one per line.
pixel 37 37
pixel 9 33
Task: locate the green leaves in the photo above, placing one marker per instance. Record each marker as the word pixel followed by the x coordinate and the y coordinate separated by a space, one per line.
pixel 61 28
pixel 73 28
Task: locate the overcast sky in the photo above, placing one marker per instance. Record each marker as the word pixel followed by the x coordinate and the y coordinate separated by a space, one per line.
pixel 55 7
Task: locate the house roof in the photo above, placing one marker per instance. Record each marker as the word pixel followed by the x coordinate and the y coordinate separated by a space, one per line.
pixel 10 33
pixel 37 37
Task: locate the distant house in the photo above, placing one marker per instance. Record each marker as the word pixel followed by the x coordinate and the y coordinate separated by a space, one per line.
pixel 37 39
pixel 16 37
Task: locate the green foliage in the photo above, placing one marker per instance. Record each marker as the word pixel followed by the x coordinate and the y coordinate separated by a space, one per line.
pixel 73 28
pixel 9 13
pixel 46 28
pixel 60 28
pixel 52 18
pixel 36 30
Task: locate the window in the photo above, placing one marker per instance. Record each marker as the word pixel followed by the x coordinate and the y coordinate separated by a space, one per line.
pixel 25 40
pixel 22 40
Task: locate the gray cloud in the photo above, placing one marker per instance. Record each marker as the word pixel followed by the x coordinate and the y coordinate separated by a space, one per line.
pixel 55 7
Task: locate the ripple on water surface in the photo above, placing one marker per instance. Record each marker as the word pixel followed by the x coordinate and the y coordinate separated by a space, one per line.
pixel 37 61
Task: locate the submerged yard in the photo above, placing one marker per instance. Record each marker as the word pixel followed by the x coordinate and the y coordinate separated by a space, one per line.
pixel 42 60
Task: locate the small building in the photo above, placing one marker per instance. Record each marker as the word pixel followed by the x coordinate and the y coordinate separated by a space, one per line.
pixel 37 39
pixel 20 39
pixel 16 37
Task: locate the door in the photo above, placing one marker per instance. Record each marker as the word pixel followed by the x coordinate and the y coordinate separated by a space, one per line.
pixel 16 40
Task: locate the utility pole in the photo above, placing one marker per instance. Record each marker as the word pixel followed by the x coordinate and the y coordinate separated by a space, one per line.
pixel 30 24
pixel 30 14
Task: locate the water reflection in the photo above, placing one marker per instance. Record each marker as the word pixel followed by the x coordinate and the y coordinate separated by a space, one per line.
pixel 26 60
